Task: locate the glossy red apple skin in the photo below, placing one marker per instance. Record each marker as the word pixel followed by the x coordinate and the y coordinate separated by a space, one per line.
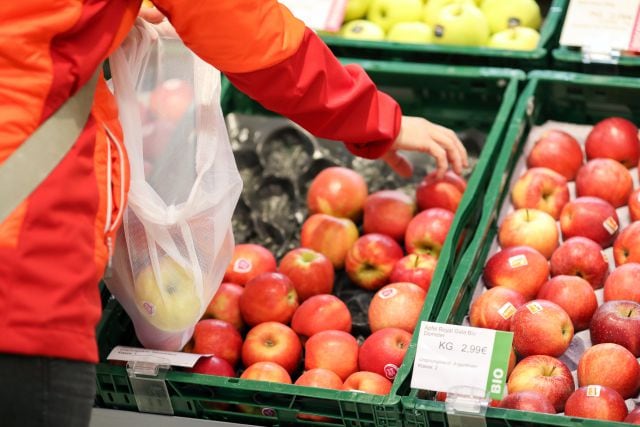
pixel 493 309
pixel 321 313
pixel 388 212
pixel 311 272
pixel 225 305
pixel 368 382
pixel 634 205
pixel 541 327
pixel 336 351
pixel 248 261
pixel 575 295
pixel 559 151
pixel 396 305
pixel 218 338
pixel 521 268
pixel 331 236
pixel 272 342
pixel 603 404
pixel 212 365
pixel 610 365
pixel 615 138
pixel 606 179
pixel 529 227
pixel 415 268
pixel 427 231
pixel 269 297
pixel 383 351
pixel 338 191
pixel 617 322
pixel 529 401
pixel 582 257
pixel 626 247
pixel 370 260
pixel 440 192
pixel 541 188
pixel 623 283
pixel 634 416
pixel 590 217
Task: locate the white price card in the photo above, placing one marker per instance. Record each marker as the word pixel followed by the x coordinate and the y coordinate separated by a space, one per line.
pixel 320 15
pixel 602 25
pixel 173 358
pixel 450 356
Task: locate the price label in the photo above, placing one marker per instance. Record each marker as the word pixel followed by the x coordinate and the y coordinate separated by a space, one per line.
pixel 174 358
pixel 320 15
pixel 450 356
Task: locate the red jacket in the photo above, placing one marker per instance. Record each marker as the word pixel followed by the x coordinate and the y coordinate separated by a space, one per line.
pixel 54 247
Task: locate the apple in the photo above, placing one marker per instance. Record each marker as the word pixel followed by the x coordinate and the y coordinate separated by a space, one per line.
pixel 575 295
pixel 272 342
pixel 541 327
pixel 382 352
pixel 410 32
pixel 361 29
pixel 310 271
pixel 167 298
pixel 440 192
pixel 559 151
pixel 356 9
pixel 213 365
pixel 529 227
pixel 617 322
pixel 387 13
pixel 336 351
pixel 225 305
pixel 634 205
pixel 414 268
pixel 388 212
pixel 493 309
pixel 397 305
pixel 337 191
pixel 634 416
pixel 171 99
pixel 248 261
pixel 503 14
pixel 461 24
pixel 367 382
pixel 545 375
pixel 516 38
pixel 626 247
pixel 590 217
pixel 607 179
pixel 217 338
pixel 370 260
pixel 530 401
pixel 623 283
pixel 321 378
pixel 614 138
pixel 610 365
pixel 541 188
pixel 268 297
pixel 597 402
pixel 331 236
pixel 521 268
pixel 432 9
pixel 321 313
pixel 266 371
pixel 427 231
pixel 581 256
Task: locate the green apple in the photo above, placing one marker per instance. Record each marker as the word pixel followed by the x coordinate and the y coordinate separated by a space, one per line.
pixel 386 13
pixel 517 38
pixel 503 14
pixel 433 7
pixel 361 29
pixel 356 9
pixel 461 24
pixel 410 32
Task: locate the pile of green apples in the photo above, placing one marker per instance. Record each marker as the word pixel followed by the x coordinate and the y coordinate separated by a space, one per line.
pixel 501 24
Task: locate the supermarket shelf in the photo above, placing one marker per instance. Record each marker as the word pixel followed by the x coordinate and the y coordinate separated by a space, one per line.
pixel 110 417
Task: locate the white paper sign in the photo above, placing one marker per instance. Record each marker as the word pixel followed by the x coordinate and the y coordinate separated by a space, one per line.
pixel 450 356
pixel 320 15
pixel 125 354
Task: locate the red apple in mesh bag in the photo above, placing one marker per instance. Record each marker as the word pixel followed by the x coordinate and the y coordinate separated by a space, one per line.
pixel 623 283
pixel 218 338
pixel 596 402
pixel 248 261
pixel 582 257
pixel 337 191
pixel 521 268
pixel 388 212
pixel 590 217
pixel 559 151
pixel 272 342
pixel 529 401
pixel 383 351
pixel 225 305
pixel 617 322
pixel 626 247
pixel 321 313
pixel 171 99
pixel 614 138
pixel 331 236
pixel 427 231
pixel 336 351
pixel 541 327
pixel 370 260
pixel 610 365
pixel 268 297
pixel 541 188
pixel 440 192
pixel 310 271
pixel 575 295
pixel 415 268
pixel 367 382
pixel 529 227
pixel 396 305
pixel 606 179
pixel 493 309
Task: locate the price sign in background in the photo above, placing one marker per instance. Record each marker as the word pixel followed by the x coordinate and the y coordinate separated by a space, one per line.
pixel 320 15
pixel 451 356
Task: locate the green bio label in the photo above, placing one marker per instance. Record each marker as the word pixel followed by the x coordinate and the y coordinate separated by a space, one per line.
pixel 499 364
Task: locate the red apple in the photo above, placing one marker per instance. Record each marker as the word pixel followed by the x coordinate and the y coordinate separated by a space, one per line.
pixel 370 260
pixel 383 351
pixel 559 151
pixel 582 257
pixel 427 231
pixel 336 351
pixel 610 365
pixel 415 268
pixel 606 179
pixel 493 309
pixel 367 382
pixel 388 212
pixel 575 295
pixel 530 401
pixel 217 338
pixel 268 297
pixel 321 313
pixel 615 138
pixel 545 375
pixel 617 322
pixel 331 236
pixel 541 188
pixel 337 191
pixel 171 99
pixel 512 362
pixel 272 342
pixel 397 305
pixel 541 327
pixel 623 283
pixel 266 371
pixel 521 268
pixel 248 261
pixel 590 217
pixel 311 272
pixel 634 205
pixel 529 227
pixel 597 402
pixel 634 416
pixel 213 365
pixel 321 378
pixel 626 247
pixel 225 305
pixel 440 192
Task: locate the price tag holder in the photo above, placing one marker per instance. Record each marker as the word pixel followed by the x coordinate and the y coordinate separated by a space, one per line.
pixel 172 358
pixel 319 15
pixel 450 356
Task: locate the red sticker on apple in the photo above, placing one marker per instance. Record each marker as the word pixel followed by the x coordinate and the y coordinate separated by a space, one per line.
pixel 593 391
pixel 518 261
pixel 507 310
pixel 534 307
pixel 149 308
pixel 242 265
pixel 268 412
pixel 610 225
pixel 387 293
pixel 390 371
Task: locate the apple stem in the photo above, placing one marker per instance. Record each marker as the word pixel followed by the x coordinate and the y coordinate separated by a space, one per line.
pixel 629 313
pixel 415 261
pixel 527 214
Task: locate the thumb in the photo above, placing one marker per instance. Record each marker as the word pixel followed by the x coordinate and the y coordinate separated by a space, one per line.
pixel 399 163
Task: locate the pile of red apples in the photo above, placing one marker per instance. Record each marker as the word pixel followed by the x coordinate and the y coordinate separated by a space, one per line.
pixel 572 209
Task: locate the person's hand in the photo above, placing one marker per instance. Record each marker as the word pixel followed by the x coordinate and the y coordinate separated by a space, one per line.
pixel 149 13
pixel 419 134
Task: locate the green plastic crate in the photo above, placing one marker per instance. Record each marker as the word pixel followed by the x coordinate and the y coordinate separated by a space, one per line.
pixel 482 98
pixel 549 95
pixel 553 12
pixel 572 59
